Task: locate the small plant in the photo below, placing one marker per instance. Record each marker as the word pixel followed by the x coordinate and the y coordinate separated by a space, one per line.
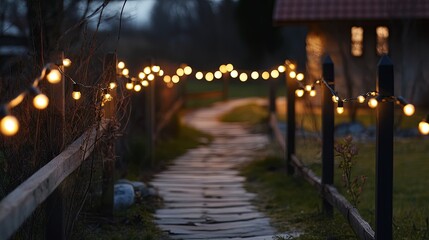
pixel 347 151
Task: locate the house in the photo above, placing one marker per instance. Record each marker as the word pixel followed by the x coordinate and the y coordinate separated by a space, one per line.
pixel 355 33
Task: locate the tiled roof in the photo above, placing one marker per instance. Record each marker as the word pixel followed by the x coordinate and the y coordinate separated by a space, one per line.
pixel 315 10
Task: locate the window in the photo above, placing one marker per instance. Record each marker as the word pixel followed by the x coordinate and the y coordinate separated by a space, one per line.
pixel 357 41
pixel 382 40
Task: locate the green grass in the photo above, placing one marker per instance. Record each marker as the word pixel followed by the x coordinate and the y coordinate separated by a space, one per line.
pixel 250 114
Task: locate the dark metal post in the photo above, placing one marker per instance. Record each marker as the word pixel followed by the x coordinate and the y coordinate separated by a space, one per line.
pixel 291 86
pixel 384 152
pixel 327 130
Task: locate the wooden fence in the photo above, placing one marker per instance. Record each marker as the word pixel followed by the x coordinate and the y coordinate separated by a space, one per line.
pixel 384 152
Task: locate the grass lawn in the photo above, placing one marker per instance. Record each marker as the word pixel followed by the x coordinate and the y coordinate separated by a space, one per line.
pixel 295 205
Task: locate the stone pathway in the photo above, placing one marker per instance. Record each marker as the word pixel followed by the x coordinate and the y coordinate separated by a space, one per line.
pixel 203 194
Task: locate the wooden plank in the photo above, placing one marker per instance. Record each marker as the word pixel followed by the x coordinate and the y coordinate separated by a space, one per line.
pixel 202 199
pixel 226 210
pixel 261 223
pixel 207 204
pixel 213 218
pixel 20 203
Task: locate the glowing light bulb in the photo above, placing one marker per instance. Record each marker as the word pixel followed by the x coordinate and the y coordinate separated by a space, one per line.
pixel 243 77
pixel 335 99
pixel 229 67
pixel 167 79
pixel 199 75
pixel 150 77
pixel 125 72
pixel 292 66
pixel 292 74
pixel 9 125
pixel 409 109
pixel 254 75
pixel 281 68
pixel 275 74
pixel 424 127
pixel 112 85
pixel 265 75
pixel 361 99
pixel 40 101
pixel 372 103
pixel 300 77
pixel 54 76
pixel 180 72
pixel 156 68
pixel 107 96
pixel 137 87
pixel 313 93
pixel 161 73
pixel 218 75
pixel 209 77
pixel 299 92
pixel 121 65
pixel 67 62
pixel 222 68
pixel 175 79
pixel 129 85
pixel 234 73
pixel 145 83
pixel 340 107
pixel 187 70
pixel 308 88
pixel 76 95
pixel 142 75
pixel 146 70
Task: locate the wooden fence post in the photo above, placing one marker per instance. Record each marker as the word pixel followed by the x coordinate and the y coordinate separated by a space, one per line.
pixel 55 226
pixel 272 95
pixel 328 130
pixel 109 155
pixel 291 86
pixel 384 151
pixel 150 120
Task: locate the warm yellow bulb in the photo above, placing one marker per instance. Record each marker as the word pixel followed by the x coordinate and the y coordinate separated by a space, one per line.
pixel 199 75
pixel 142 75
pixel 175 79
pixel 156 68
pixel 335 99
pixel 229 67
pixel 308 88
pixel 292 66
pixel 265 75
pixel 209 77
pixel 121 65
pixel 167 79
pixel 145 83
pixel 67 62
pixel 187 70
pixel 254 75
pixel 243 77
pixel 222 68
pixel 218 75
pixel 150 77
pixel 299 92
pixel 313 93
pixel 292 74
pixel 180 72
pixel 107 97
pixel 281 68
pixel 54 76
pixel 300 77
pixel 112 85
pixel 340 110
pixel 361 99
pixel 137 87
pixel 234 73
pixel 9 125
pixel 76 95
pixel 372 103
pixel 40 101
pixel 409 109
pixel 146 70
pixel 125 71
pixel 129 85
pixel 424 127
pixel 161 73
pixel 275 74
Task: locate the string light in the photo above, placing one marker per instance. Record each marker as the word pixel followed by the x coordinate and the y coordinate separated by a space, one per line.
pixel 129 85
pixel 40 100
pixel 361 99
pixel 175 79
pixel 335 98
pixel 372 103
pixel 142 75
pixel 254 75
pixel 146 70
pixel 265 75
pixel 125 72
pixel 281 68
pixel 222 68
pixel 76 95
pixel 180 72
pixel 161 73
pixel 121 65
pixel 229 67
pixel 424 126
pixel 155 68
pixel 112 85
pixel 67 62
pixel 145 83
pixel 167 79
pixel 300 77
pixel 137 87
pixel 307 88
pixel 312 92
pixel 209 77
pixel 340 107
pixel 408 108
pixel 299 92
pixel 9 125
pixel 107 96
pixel 199 75
pixel 243 77
pixel 187 70
pixel 150 77
pixel 218 74
pixel 292 74
pixel 234 74
pixel 275 73
pixel 54 76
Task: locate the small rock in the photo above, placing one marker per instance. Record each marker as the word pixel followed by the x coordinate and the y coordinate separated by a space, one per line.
pixel 140 189
pixel 123 196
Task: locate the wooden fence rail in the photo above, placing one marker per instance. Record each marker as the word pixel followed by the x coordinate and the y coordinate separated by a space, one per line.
pixel 361 228
pixel 18 205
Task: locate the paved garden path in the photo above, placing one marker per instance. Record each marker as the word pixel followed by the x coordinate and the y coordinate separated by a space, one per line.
pixel 202 191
